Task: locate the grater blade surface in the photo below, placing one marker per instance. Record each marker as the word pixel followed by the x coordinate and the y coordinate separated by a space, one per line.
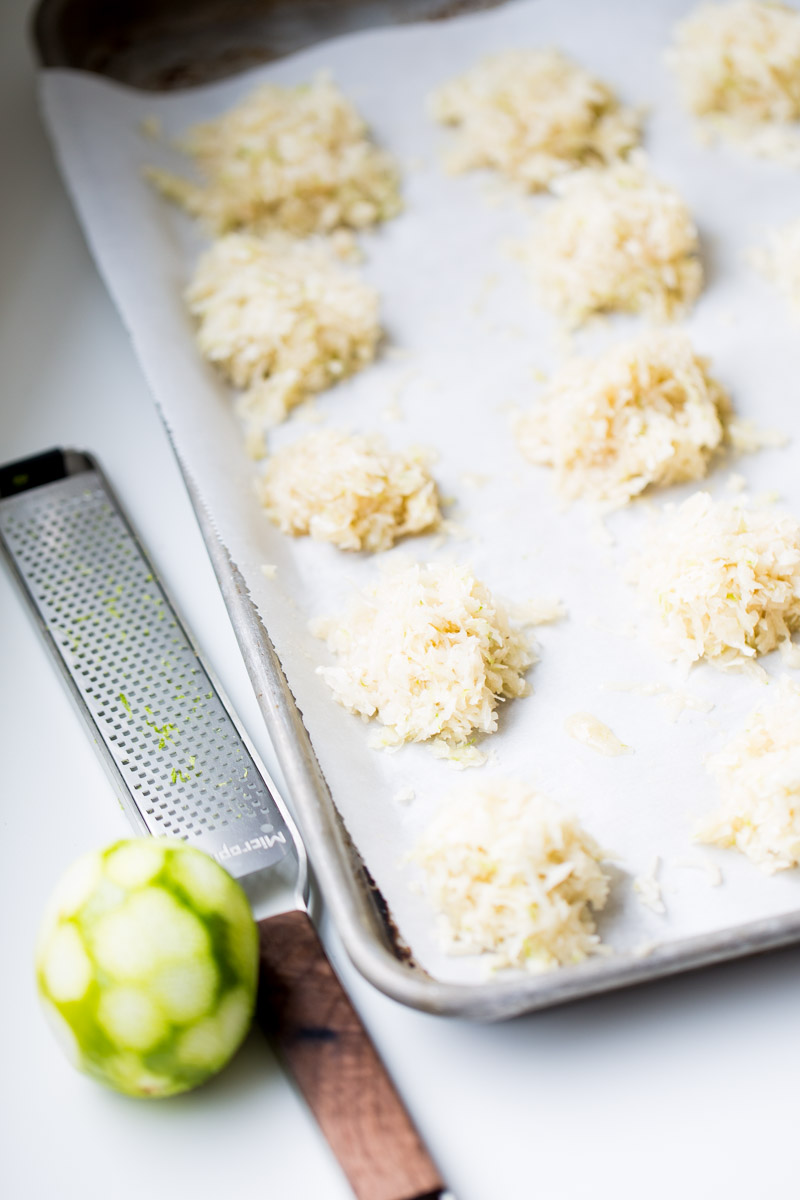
pixel 165 733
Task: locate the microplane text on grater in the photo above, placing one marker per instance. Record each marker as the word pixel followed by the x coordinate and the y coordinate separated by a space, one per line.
pixel 165 729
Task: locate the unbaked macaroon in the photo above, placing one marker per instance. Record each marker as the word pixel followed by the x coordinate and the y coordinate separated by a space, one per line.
pixel 615 240
pixel 737 67
pixel 758 779
pixel 779 262
pixel 281 319
pixel 513 877
pixel 298 159
pixel 428 653
pixel 721 580
pixel 533 115
pixel 646 413
pixel 352 491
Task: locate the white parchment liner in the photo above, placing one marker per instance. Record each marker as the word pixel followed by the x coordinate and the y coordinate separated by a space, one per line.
pixel 474 336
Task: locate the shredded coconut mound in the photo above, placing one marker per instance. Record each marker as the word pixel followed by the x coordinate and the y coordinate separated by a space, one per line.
pixel 616 239
pixel 722 580
pixel 758 775
pixel 281 319
pixel 294 158
pixel 645 414
pixel 429 653
pixel 779 261
pixel 512 876
pixel 738 71
pixel 533 114
pixel 351 491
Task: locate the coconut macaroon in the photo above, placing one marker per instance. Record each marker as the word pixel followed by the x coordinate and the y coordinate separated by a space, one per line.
pixel 738 71
pixel 351 491
pixel 533 115
pixel 646 413
pixel 299 159
pixel 281 319
pixel 758 777
pixel 615 240
pixel 428 653
pixel 779 261
pixel 513 877
pixel 721 580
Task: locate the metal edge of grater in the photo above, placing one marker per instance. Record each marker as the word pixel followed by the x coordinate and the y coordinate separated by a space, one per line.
pixel 181 764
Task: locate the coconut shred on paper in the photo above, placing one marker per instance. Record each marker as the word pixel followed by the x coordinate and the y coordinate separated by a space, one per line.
pixel 592 732
pixel 648 889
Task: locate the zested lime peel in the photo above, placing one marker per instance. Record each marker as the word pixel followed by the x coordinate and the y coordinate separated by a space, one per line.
pixel 147 965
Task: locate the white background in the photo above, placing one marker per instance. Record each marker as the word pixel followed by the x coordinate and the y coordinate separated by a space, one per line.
pixel 685 1086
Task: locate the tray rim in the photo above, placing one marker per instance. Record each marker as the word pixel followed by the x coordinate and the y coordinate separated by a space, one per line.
pixel 344 881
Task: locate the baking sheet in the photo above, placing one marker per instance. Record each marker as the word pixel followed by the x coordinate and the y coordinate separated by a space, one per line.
pixel 466 338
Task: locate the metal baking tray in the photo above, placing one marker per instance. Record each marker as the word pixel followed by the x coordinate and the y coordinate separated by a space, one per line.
pixel 151 46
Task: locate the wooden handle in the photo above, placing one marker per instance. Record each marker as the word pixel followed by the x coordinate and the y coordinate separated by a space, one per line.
pixel 304 1009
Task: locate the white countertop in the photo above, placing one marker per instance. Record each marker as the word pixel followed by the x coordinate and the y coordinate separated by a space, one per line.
pixel 684 1087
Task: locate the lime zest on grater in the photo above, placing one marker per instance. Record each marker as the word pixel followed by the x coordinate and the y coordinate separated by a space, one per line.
pixel 180 763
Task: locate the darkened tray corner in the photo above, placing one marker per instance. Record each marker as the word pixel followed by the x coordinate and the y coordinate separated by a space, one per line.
pixel 162 46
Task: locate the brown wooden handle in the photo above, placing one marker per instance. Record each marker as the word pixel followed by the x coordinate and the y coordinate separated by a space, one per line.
pixel 304 1009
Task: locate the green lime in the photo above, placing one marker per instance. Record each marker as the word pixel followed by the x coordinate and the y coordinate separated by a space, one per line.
pixel 147 964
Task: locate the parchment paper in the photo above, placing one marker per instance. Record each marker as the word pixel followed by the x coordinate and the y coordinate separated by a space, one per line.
pixel 465 316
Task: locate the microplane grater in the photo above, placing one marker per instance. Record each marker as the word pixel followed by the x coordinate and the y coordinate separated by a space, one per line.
pixel 180 762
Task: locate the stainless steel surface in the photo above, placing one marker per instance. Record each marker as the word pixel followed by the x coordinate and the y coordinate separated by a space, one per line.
pixel 278 27
pixel 180 763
